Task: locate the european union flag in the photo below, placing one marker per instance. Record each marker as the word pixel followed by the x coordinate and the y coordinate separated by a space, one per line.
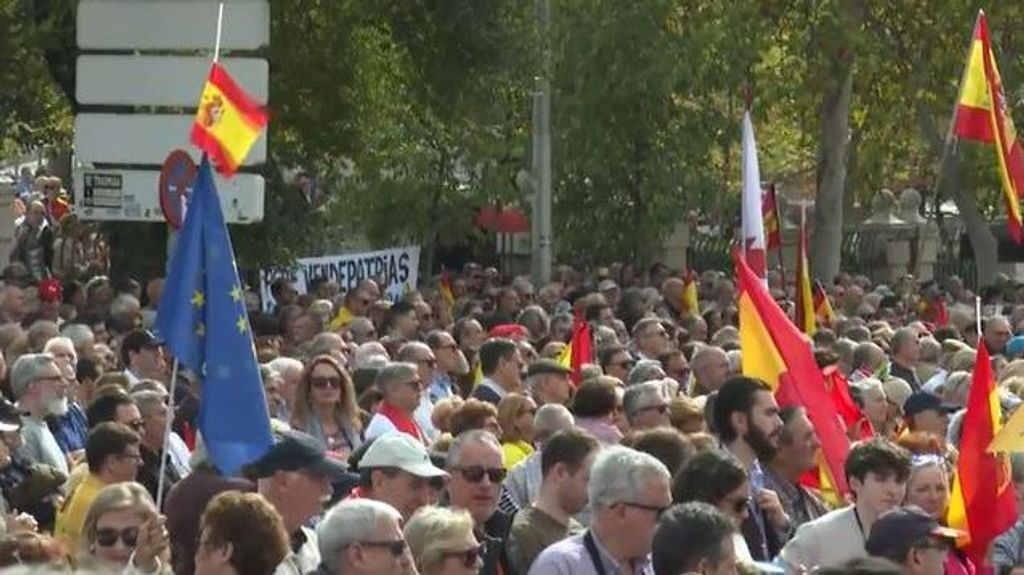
pixel 202 319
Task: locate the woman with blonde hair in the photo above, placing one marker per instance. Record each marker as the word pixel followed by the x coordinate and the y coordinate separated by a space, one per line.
pixel 442 542
pixel 515 417
pixel 325 406
pixel 123 530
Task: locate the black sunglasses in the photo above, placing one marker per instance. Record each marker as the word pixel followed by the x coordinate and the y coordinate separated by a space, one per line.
pixel 396 547
pixel 469 557
pixel 325 382
pixel 475 473
pixel 656 509
pixel 108 536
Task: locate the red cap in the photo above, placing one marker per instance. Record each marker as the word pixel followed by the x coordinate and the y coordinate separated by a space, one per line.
pixel 512 331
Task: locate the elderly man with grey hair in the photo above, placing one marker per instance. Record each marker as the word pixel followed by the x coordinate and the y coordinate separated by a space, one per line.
pixel 476 469
pixel 71 429
pixel 422 356
pixel 329 343
pixel 363 537
pixel 905 349
pixel 646 406
pixel 710 368
pixel 290 370
pixel 40 390
pixel 628 492
pixel 81 337
pixel 645 370
pixel 153 438
pixel 402 388
pixel 523 481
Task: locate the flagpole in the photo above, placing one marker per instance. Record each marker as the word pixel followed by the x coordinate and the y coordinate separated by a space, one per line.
pixel 778 248
pixel 220 29
pixel 174 369
pixel 977 320
pixel 947 144
pixel 167 436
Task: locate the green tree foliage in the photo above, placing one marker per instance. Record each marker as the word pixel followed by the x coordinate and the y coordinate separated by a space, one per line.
pixel 33 109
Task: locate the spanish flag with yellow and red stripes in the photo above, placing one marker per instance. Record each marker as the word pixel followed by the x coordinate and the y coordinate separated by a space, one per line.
pixel 691 303
pixel 227 122
pixel 445 287
pixel 805 316
pixel 982 115
pixel 776 352
pixel 983 503
pixel 578 351
pixel 822 305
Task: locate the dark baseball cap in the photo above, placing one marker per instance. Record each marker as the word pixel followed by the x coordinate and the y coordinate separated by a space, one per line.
pixel 297 451
pixel 545 365
pixel 921 401
pixel 896 530
pixel 140 338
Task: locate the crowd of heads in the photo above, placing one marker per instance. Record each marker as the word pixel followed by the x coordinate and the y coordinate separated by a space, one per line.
pixel 450 431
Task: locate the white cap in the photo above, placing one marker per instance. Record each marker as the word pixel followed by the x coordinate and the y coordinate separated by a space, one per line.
pixel 401 451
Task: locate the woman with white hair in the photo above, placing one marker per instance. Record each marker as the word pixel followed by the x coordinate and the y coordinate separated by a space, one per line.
pixel 442 542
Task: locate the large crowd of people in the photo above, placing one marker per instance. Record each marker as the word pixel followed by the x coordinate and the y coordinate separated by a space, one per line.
pixel 445 434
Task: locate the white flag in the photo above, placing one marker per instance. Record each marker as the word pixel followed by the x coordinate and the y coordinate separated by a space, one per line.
pixel 753 222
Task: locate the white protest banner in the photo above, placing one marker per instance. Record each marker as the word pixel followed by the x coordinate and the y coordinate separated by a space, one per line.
pixel 395 270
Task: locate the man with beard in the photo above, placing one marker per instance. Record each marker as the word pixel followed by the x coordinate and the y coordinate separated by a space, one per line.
pixel 41 391
pixel 747 420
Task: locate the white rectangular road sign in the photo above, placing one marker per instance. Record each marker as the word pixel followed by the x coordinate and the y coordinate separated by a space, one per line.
pixel 171 24
pixel 159 80
pixel 132 195
pixel 140 138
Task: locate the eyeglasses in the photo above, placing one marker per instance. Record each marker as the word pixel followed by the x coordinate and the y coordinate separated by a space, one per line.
pixel 396 547
pixel 656 509
pixel 469 557
pixel 428 361
pixel 415 384
pixel 325 382
pixel 108 536
pixel 740 504
pixel 475 473
pixel 137 457
pixel 662 408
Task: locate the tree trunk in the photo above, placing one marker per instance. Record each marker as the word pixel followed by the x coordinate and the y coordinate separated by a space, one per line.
pixel 983 243
pixel 828 208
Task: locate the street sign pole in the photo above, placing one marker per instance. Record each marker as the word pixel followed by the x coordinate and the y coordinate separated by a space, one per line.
pixel 541 234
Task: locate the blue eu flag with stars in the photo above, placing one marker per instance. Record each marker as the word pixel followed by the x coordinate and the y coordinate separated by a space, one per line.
pixel 202 319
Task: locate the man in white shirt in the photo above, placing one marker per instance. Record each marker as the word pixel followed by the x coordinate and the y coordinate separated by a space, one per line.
pixel 877 472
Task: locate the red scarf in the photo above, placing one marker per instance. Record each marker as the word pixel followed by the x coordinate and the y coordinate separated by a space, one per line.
pixel 400 420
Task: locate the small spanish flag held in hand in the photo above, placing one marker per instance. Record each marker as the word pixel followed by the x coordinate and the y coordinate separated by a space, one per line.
pixel 228 121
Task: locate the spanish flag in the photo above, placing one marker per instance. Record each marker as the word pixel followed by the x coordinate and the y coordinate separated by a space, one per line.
pixel 822 306
pixel 691 304
pixel 805 316
pixel 983 503
pixel 228 121
pixel 578 351
pixel 776 352
pixel 982 115
pixel 445 287
pixel 770 214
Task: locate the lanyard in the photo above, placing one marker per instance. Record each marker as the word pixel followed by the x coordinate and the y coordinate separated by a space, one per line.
pixel 860 525
pixel 595 555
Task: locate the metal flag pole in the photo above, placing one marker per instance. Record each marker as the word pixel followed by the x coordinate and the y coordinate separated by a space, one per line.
pixel 161 480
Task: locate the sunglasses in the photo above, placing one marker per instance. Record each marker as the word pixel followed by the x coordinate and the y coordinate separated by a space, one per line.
pixel 476 473
pixel 396 547
pixel 469 557
pixel 108 536
pixel 656 509
pixel 325 382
